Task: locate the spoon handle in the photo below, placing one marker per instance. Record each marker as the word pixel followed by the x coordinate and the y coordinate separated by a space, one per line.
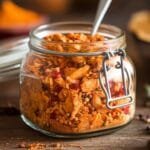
pixel 102 9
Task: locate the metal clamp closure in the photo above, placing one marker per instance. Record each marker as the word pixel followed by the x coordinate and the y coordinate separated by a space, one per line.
pixel 125 80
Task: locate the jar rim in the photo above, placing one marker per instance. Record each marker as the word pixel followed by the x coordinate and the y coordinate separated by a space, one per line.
pixel 34 37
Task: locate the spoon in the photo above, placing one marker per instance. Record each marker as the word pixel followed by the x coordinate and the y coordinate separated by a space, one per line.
pixel 102 9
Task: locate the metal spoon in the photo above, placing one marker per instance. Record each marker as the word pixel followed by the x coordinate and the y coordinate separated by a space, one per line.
pixel 102 9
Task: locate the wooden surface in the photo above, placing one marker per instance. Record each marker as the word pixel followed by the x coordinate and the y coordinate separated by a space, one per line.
pixel 13 132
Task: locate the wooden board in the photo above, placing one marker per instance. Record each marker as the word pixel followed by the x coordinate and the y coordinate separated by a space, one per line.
pixel 13 132
pixel 133 137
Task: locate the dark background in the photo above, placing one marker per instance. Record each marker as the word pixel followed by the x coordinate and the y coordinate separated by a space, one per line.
pixel 134 137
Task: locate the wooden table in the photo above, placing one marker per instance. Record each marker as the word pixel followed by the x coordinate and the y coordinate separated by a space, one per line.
pixel 13 132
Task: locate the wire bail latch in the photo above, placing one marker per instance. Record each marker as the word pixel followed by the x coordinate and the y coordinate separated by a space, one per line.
pixel 105 84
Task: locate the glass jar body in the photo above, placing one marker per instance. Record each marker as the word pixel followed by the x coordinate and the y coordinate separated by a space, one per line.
pixel 63 95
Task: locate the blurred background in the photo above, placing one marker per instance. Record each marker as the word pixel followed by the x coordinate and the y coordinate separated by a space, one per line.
pixel 18 17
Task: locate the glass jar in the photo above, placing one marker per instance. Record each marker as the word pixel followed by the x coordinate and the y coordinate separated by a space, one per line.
pixel 77 94
pixel 11 53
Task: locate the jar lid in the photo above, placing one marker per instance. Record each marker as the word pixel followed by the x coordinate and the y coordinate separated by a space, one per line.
pixel 11 53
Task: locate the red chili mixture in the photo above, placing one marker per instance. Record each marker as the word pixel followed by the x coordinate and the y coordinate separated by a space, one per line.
pixel 63 94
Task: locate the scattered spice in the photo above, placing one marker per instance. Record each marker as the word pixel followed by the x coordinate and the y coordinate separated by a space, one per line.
pixel 148 129
pixel 22 145
pixel 32 146
pixel 75 145
pixel 57 146
pixel 51 146
pixel 37 146
pixel 145 118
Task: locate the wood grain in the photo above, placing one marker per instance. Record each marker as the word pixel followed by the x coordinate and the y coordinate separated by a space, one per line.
pixel 13 132
pixel 133 137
